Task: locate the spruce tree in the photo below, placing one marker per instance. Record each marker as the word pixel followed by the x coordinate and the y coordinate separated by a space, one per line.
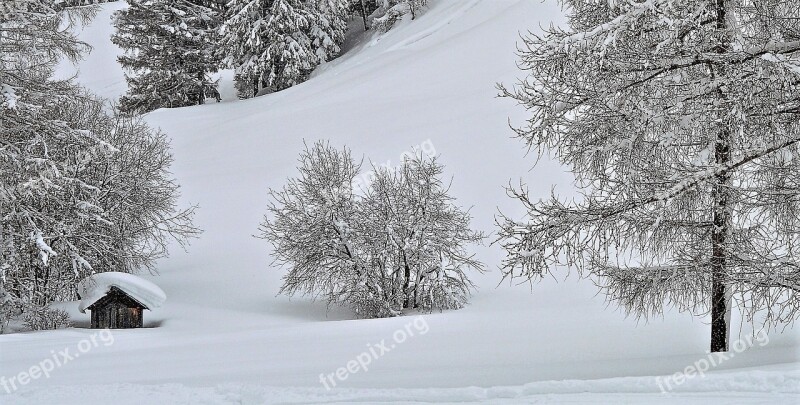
pixel 267 43
pixel 169 52
pixel 328 28
pixel 680 120
pixel 276 44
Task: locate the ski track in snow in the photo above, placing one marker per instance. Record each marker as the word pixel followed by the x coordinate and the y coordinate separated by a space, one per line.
pixel 436 27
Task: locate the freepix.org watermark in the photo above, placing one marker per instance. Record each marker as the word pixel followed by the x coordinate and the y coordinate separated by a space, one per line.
pixel 425 149
pixel 362 361
pixel 700 367
pixel 57 360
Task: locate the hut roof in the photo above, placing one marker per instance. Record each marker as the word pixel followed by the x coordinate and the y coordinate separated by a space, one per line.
pixel 96 286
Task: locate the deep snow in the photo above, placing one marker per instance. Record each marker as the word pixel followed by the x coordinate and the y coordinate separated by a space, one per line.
pixel 224 337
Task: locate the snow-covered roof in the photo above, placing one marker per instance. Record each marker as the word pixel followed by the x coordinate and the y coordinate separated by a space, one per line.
pixel 96 286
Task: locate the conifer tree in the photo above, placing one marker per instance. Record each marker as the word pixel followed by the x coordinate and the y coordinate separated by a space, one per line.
pixel 276 44
pixel 328 28
pixel 169 52
pixel 267 42
pixel 681 122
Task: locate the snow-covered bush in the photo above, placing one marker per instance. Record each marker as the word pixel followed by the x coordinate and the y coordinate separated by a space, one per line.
pixel 401 245
pixel 46 318
pixel 388 12
pixel 10 308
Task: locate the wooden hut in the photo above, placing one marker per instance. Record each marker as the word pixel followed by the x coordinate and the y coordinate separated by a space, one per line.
pixel 117 310
pixel 118 300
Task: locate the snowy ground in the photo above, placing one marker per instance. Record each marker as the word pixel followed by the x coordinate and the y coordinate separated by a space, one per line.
pixel 224 337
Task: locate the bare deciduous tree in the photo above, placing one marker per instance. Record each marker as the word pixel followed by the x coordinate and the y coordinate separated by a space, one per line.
pixel 82 189
pixel 401 245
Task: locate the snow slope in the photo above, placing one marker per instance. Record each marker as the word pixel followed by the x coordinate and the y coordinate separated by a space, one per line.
pixel 224 337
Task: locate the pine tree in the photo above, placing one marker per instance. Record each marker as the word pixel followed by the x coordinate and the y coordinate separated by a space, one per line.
pixel 169 52
pixel 680 121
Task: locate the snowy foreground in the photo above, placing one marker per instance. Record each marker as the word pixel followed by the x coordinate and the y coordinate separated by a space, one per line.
pixel 224 337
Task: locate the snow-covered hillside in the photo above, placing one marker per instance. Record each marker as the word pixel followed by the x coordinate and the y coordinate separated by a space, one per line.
pixel 225 337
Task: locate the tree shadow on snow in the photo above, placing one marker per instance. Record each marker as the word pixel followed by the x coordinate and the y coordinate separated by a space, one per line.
pixel 308 310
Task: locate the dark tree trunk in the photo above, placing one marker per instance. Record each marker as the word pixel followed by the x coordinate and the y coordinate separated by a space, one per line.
pixel 364 15
pixel 719 296
pixel 721 216
pixel 406 282
pixel 201 96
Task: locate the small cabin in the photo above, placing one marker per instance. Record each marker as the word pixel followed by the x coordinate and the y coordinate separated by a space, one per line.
pixel 117 310
pixel 118 300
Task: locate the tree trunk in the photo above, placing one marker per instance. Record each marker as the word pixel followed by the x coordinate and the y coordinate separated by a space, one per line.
pixel 719 235
pixel 406 283
pixel 201 96
pixel 364 15
pixel 720 303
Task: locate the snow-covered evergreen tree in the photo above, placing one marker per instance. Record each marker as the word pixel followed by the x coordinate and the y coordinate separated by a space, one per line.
pixel 169 52
pixel 268 43
pixel 402 245
pixel 681 122
pixel 328 28
pixel 275 44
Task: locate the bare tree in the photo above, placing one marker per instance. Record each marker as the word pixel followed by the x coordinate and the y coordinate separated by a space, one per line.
pixel 401 245
pixel 82 190
pixel 680 121
pixel 420 236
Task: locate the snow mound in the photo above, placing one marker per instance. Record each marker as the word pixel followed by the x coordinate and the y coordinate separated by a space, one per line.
pixel 96 286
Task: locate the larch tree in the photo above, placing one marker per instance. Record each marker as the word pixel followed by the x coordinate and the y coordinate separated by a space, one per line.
pixel 680 120
pixel 33 38
pixel 402 245
pixel 169 52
